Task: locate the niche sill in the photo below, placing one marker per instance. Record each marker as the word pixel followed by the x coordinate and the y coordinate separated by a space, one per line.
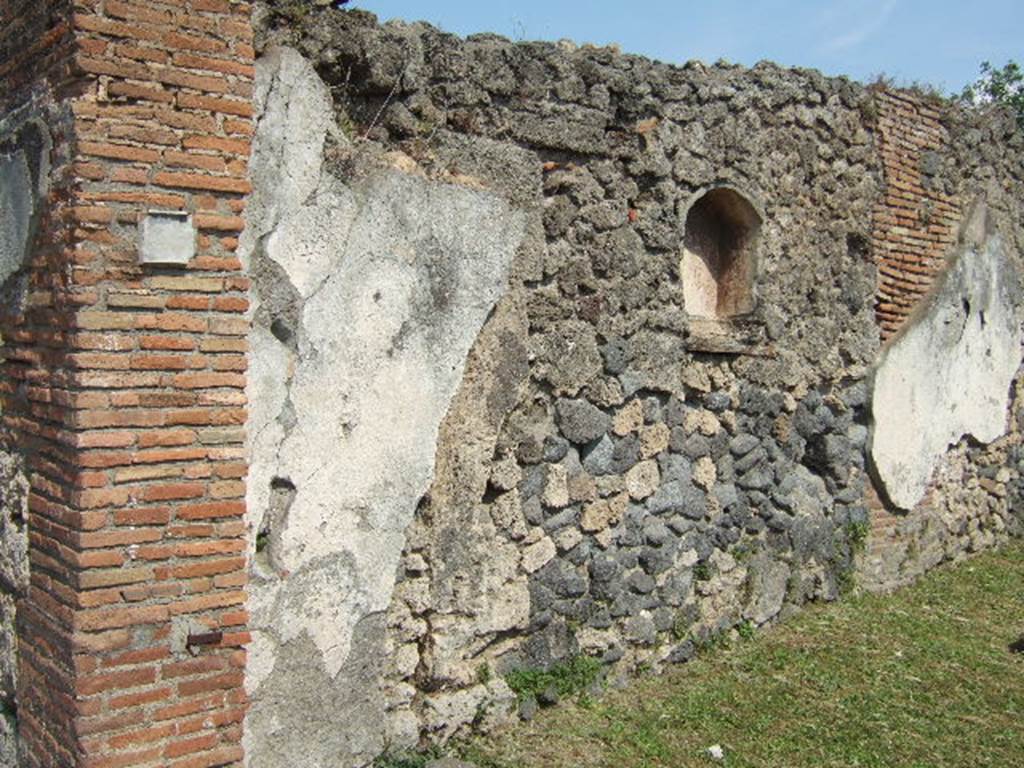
pixel 738 335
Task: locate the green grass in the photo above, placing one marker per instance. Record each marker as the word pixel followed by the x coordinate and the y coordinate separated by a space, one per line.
pixel 922 678
pixel 406 759
pixel 566 679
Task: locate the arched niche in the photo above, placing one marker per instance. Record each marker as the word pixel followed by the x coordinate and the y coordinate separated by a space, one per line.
pixel 719 254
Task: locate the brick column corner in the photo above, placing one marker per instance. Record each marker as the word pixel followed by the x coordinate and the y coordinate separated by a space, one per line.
pixel 123 382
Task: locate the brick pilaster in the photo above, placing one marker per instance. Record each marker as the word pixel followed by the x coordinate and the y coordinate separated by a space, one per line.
pixel 124 389
pixel 915 221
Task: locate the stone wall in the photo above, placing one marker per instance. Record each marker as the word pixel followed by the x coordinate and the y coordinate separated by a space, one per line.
pixel 123 145
pixel 646 419
pixel 553 352
pixel 952 363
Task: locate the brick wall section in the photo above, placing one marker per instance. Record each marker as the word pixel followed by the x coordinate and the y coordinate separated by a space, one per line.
pixel 915 223
pixel 891 534
pixel 914 226
pixel 35 53
pixel 134 401
pixel 35 45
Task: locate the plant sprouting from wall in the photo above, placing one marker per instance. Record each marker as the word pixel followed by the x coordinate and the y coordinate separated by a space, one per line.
pixel 572 677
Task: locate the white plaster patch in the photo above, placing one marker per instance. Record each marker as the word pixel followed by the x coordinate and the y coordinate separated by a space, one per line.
pixel 395 277
pixel 385 342
pixel 297 244
pixel 270 368
pixel 320 601
pixel 949 373
pixel 259 661
pixel 296 114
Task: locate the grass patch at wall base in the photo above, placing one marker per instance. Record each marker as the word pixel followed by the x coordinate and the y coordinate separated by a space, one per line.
pixel 925 677
pixel 575 676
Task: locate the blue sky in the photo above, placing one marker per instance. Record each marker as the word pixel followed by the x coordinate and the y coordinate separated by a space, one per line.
pixel 940 42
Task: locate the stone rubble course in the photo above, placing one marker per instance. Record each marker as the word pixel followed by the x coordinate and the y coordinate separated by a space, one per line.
pixel 485 434
pixel 14 581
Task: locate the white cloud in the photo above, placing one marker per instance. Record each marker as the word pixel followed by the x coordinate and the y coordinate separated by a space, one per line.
pixel 870 21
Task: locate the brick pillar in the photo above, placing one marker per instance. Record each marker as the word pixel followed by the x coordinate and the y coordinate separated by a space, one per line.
pixel 123 383
pixel 914 222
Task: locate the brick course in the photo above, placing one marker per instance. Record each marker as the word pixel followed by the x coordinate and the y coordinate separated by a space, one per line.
pixel 914 222
pixel 123 385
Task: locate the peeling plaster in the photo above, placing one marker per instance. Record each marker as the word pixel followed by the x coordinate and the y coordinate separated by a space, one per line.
pixel 948 374
pixel 388 281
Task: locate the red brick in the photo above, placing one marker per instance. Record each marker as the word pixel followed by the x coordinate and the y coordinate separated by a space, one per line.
pixel 143 53
pixel 217 757
pixel 240 147
pixel 141 736
pixel 168 343
pixel 221 223
pixel 210 163
pixel 114 538
pixel 135 12
pixel 188 301
pixel 178 41
pixel 206 548
pixel 130 175
pixel 239 127
pixel 121 617
pixel 106 439
pixel 143 516
pixel 166 491
pixel 202 181
pixel 206 602
pixel 204 380
pixel 241 108
pixel 193 667
pixel 231 304
pixel 119 152
pixel 210 701
pixel 106 681
pixel 101 497
pixel 166 437
pixel 212 6
pixel 136 91
pixel 140 698
pixel 171 454
pixel 217 719
pixel 120 576
pixel 177 322
pixel 130 658
pixel 208 568
pixel 216 509
pixel 191 746
pixel 122 759
pixel 92 214
pixel 223 681
pixel 159 362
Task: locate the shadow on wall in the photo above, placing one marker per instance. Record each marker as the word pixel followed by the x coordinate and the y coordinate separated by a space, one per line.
pixel 25 149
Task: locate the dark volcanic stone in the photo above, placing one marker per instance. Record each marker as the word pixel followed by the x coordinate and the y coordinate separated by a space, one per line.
pixel 581 421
